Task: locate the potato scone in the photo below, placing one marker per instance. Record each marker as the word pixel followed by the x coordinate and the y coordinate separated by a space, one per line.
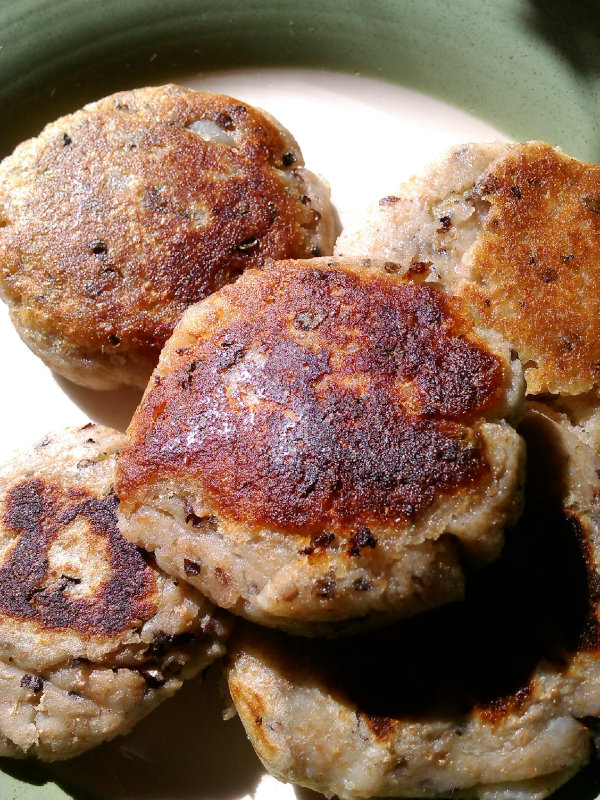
pixel 325 441
pixel 495 698
pixel 515 229
pixel 117 217
pixel 92 634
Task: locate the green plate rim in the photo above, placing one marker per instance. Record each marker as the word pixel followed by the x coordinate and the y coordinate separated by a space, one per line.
pixel 524 66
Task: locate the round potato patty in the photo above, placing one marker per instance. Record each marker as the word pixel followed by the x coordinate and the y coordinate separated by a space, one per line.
pixel 325 441
pixel 92 634
pixel 493 698
pixel 117 217
pixel 515 229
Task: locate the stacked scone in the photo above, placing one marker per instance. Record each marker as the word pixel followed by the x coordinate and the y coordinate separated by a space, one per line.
pixel 332 449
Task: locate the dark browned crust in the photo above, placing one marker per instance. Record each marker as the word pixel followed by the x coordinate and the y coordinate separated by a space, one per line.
pixel 110 270
pixel 353 406
pixel 501 707
pixel 37 512
pixel 535 264
pixel 478 658
pixel 381 727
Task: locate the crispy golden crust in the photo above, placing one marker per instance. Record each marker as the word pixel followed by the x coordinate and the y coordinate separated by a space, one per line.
pixel 535 264
pixel 497 696
pixel 514 228
pixel 298 370
pixel 92 634
pixel 118 217
pixel 313 440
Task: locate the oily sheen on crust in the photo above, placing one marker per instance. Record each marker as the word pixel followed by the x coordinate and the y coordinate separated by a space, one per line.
pixel 514 228
pixel 117 217
pixel 317 439
pixel 492 698
pixel 92 635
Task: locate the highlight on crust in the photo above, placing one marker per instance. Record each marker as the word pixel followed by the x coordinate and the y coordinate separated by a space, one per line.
pixel 93 636
pixel 318 443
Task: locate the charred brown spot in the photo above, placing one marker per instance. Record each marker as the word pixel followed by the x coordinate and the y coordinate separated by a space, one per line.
pixel 391 267
pixel 359 411
pixel 224 120
pixel 592 203
pixel 191 567
pixel 248 245
pixel 33 682
pixel 325 587
pixel 389 200
pixel 381 727
pixel 359 540
pixel 164 642
pixel 98 247
pixel 230 354
pixel 480 656
pixel 186 381
pixel 196 520
pixel 494 711
pixel 319 541
pixel 37 512
pixel 445 224
pixel 418 268
pixel 489 185
pixel 154 678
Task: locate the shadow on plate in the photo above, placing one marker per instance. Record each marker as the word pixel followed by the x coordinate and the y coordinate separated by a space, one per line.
pixel 182 751
pixel 113 408
pixel 307 794
pixel 584 786
pixel 573 30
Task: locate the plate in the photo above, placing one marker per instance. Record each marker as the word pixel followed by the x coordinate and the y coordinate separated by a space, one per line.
pixel 372 91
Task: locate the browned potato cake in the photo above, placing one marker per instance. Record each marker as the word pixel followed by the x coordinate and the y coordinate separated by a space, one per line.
pixel 515 229
pixel 325 441
pixel 116 218
pixel 495 698
pixel 92 635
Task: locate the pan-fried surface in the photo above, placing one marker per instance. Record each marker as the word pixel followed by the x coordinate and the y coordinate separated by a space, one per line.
pixel 494 697
pixel 515 229
pixel 314 438
pixel 92 634
pixel 118 217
